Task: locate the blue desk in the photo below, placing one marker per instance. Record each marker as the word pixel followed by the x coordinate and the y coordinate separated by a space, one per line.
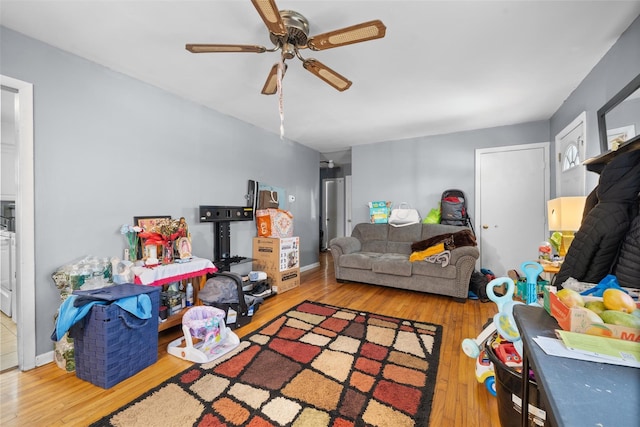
pixel 575 392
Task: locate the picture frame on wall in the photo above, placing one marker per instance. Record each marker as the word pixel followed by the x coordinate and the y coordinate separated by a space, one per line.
pixel 147 223
pixel 618 136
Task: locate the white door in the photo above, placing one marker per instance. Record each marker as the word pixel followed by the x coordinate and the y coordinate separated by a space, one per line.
pixel 512 188
pixel 570 153
pixel 348 222
pixel 333 206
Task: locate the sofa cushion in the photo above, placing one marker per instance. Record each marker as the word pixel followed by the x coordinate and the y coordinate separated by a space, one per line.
pixel 394 264
pixel 401 238
pixel 359 260
pixel 372 236
pixel 425 268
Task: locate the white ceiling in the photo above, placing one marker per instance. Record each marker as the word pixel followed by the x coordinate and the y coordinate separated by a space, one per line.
pixel 444 66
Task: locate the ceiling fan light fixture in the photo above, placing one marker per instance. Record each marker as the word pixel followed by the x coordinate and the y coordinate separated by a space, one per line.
pixel 325 73
pixel 289 32
pixel 288 51
pixel 329 163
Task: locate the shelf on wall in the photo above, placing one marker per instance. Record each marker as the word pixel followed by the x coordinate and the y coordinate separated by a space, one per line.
pixel 595 164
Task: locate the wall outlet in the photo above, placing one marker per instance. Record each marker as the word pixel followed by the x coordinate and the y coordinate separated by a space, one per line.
pixel 292 198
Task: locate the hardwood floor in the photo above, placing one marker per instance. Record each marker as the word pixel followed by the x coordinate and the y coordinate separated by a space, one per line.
pixel 49 396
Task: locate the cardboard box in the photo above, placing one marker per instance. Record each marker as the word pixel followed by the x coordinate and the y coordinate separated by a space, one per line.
pixel 283 281
pixel 280 259
pixel 575 320
pixel 273 255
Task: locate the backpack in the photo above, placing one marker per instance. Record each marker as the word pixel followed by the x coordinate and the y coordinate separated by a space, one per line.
pixel 478 285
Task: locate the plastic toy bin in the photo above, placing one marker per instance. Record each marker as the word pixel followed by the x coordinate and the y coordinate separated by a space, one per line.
pixel 509 395
pixel 112 344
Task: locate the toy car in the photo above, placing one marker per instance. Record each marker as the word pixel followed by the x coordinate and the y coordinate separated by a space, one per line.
pixel 484 372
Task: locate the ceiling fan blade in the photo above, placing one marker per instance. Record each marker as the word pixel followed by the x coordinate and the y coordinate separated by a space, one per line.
pixel 214 48
pixel 271 85
pixel 355 34
pixel 327 74
pixel 271 16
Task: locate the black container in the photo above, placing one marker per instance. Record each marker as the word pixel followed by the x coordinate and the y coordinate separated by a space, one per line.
pixel 509 395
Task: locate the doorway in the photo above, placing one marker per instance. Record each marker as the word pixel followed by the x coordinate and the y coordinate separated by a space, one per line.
pixel 333 213
pixel 512 188
pixel 24 221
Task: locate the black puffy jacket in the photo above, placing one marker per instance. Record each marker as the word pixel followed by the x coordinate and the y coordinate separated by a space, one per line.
pixel 595 248
pixel 627 268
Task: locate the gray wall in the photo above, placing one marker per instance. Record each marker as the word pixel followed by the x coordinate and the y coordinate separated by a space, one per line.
pixel 108 148
pixel 418 170
pixel 617 68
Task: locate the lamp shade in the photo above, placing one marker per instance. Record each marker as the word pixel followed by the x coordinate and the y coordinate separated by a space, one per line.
pixel 565 213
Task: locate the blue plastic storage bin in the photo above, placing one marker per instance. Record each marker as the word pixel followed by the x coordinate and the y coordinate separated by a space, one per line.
pixel 112 344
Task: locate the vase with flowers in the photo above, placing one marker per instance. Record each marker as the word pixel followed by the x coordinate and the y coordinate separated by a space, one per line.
pixel 164 233
pixel 131 233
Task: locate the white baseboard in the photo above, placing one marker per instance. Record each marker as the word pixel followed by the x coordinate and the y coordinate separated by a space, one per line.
pixel 44 358
pixel 309 267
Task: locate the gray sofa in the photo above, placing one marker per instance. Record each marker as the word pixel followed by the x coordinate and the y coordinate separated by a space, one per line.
pixel 379 254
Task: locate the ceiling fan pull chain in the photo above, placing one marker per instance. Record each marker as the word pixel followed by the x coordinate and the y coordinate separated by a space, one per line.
pixel 280 98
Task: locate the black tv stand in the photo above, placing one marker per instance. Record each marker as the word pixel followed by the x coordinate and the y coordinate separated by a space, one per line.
pixel 222 257
pixel 222 216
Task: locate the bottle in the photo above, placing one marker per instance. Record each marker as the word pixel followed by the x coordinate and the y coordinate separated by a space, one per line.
pixel 189 294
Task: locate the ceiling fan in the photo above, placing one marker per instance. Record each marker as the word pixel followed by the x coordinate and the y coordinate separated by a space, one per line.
pixel 289 33
pixel 327 164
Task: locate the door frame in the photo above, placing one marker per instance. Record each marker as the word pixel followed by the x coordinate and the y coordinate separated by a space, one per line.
pixel 477 209
pixel 580 121
pixel 25 226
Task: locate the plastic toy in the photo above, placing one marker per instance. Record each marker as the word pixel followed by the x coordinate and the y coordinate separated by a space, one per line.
pixel 484 372
pixel 206 337
pixel 503 323
pixel 531 271
pixel 506 352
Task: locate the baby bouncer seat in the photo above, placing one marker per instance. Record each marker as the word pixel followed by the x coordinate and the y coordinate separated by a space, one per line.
pixel 206 337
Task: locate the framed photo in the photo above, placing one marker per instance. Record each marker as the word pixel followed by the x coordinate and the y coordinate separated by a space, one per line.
pixel 147 223
pixel 617 136
pixel 184 247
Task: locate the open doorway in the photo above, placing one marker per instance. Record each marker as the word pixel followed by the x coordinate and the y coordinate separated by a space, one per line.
pixel 9 160
pixel 335 197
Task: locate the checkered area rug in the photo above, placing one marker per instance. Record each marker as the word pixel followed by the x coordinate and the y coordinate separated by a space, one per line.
pixel 315 365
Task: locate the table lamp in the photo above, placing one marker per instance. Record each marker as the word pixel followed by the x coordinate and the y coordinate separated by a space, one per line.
pixel 565 216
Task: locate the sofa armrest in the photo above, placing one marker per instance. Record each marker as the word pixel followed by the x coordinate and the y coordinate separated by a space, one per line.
pixel 464 258
pixel 344 245
pixel 464 251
